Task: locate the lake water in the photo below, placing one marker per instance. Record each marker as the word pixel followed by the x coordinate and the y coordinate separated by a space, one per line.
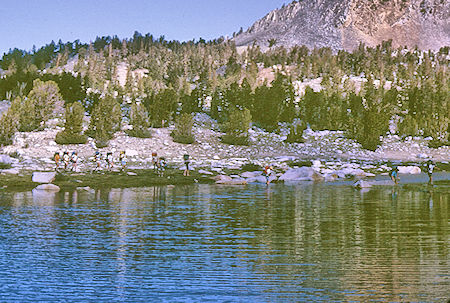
pixel 309 242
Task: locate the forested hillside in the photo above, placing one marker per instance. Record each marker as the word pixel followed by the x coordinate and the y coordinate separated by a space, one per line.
pixel 149 82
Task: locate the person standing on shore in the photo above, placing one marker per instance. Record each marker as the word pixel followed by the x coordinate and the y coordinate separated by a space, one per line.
pixel 57 159
pixel 186 163
pixel 97 159
pixel 74 161
pixel 155 161
pixel 161 166
pixel 430 169
pixel 394 175
pixel 109 160
pixel 123 160
pixel 66 159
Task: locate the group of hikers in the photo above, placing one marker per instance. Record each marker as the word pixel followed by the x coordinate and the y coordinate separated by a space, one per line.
pixel 429 168
pixel 70 162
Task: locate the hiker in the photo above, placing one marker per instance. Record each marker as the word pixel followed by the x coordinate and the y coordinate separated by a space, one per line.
pixel 155 161
pixel 97 159
pixel 161 166
pixel 123 160
pixel 394 175
pixel 74 161
pixel 109 160
pixel 267 171
pixel 57 159
pixel 430 169
pixel 186 163
pixel 66 159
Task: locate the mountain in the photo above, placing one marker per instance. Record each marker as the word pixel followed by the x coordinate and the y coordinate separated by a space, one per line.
pixel 343 24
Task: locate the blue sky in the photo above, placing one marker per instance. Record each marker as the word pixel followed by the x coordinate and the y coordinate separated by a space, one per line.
pixel 24 23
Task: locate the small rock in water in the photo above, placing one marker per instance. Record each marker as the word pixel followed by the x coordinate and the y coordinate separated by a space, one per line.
pixel 222 178
pixel 48 187
pixel 362 184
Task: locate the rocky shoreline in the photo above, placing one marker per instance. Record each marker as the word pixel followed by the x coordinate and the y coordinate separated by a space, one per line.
pixel 325 155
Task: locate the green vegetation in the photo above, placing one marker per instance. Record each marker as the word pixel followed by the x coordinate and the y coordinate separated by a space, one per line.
pixel 143 178
pixel 140 121
pixel 183 129
pixel 73 127
pixel 407 88
pixel 105 121
pixel 237 127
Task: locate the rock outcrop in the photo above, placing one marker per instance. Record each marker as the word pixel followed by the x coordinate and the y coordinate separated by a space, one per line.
pixel 43 177
pixel 343 24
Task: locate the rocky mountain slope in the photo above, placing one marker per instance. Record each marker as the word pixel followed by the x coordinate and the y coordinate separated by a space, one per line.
pixel 343 24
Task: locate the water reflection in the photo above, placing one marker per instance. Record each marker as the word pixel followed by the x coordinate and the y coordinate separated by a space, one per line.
pixel 261 243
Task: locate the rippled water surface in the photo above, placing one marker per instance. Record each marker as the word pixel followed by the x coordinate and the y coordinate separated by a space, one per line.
pixel 216 243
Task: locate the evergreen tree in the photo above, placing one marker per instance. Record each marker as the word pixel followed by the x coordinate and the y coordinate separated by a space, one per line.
pixel 106 118
pixel 140 122
pixel 163 107
pixel 237 127
pixel 8 127
pixel 73 126
pixel 183 129
pixel 46 100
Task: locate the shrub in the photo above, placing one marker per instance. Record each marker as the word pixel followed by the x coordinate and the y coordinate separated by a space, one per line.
pixel 140 122
pixel 437 144
pixel 237 127
pixel 251 167
pixel 105 120
pixel 183 129
pixel 66 138
pixel 46 100
pixel 5 165
pixel 296 133
pixel 73 126
pixel 8 127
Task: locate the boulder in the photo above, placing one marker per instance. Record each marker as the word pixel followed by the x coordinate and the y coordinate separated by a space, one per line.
pixel 5 159
pixel 222 178
pixel 48 187
pixel 362 184
pixel 205 172
pixel 131 153
pixel 251 174
pixel 301 174
pixel 43 177
pixel 413 170
pixel 10 171
pixel 262 179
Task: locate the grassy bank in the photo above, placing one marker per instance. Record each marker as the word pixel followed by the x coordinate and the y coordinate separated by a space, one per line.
pixel 70 181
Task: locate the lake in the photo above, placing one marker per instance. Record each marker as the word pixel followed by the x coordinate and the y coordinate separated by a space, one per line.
pixel 281 243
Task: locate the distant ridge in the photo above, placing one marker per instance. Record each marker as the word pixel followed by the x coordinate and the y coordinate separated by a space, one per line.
pixel 344 24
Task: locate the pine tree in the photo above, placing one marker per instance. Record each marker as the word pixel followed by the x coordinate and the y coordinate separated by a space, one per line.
pixel 140 122
pixel 106 119
pixel 8 127
pixel 73 126
pixel 46 99
pixel 183 129
pixel 237 127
